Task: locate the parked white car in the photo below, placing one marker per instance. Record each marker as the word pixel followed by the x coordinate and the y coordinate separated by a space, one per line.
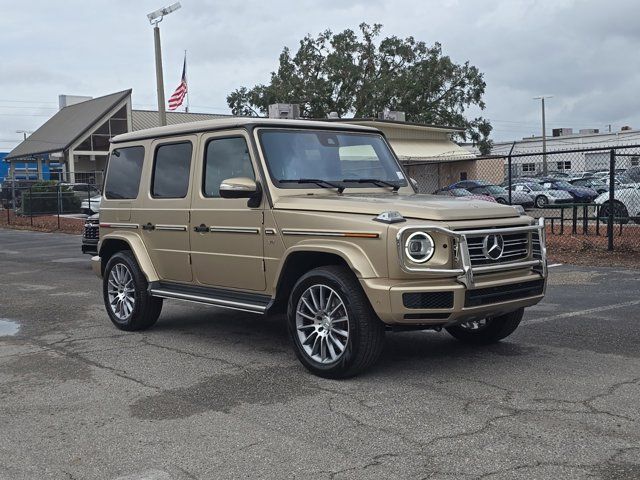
pixel 626 203
pixel 542 196
pixel 92 205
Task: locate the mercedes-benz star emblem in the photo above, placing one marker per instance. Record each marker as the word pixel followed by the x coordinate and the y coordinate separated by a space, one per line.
pixel 493 246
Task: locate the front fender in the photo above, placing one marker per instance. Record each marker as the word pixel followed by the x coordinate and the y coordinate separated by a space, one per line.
pixel 351 253
pixel 137 248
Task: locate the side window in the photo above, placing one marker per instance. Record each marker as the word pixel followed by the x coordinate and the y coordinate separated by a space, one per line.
pixel 519 188
pixel 225 158
pixel 171 167
pixel 123 173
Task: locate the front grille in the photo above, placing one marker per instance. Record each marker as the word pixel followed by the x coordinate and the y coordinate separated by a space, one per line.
pixel 503 293
pixel 428 300
pixel 536 251
pixel 516 248
pixel 91 231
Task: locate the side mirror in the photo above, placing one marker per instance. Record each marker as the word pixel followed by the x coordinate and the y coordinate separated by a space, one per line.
pixel 239 187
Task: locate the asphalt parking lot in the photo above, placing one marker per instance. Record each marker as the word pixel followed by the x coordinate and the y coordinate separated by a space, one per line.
pixel 210 394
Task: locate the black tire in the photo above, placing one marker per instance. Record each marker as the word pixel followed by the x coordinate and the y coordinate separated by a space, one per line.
pixel 366 331
pixel 620 212
pixel 501 200
pixel 541 201
pixel 496 329
pixel 146 309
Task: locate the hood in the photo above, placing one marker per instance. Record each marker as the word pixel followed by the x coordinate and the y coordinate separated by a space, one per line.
pixel 424 207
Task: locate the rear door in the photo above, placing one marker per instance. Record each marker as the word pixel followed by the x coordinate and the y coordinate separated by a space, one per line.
pixel 226 234
pixel 164 218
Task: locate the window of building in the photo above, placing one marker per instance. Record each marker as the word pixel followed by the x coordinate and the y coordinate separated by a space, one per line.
pixel 123 173
pixel 566 165
pixel 463 176
pixel 171 168
pixel 528 167
pixel 635 161
pixel 225 158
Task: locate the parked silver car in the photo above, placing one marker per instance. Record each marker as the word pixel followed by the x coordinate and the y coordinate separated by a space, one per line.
pixel 502 195
pixel 542 196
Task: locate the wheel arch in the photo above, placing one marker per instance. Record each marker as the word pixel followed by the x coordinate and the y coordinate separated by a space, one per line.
pixel 303 258
pixel 116 242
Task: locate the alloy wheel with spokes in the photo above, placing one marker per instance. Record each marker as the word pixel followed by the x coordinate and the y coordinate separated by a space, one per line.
pixel 121 291
pixel 322 324
pixel 126 294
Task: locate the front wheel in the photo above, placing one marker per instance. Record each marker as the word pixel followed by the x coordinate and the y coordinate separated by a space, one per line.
pixel 541 201
pixel 620 212
pixel 336 333
pixel 126 298
pixel 488 330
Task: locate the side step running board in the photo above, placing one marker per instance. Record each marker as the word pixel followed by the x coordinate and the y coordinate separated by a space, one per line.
pixel 253 303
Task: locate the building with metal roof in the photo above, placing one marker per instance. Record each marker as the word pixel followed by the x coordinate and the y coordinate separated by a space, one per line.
pixel 74 143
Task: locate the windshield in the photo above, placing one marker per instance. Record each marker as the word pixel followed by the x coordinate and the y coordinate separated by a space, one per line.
pixel 322 159
pixel 535 187
pixel 460 192
pixel 563 184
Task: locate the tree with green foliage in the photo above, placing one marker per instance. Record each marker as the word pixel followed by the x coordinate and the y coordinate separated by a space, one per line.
pixel 357 75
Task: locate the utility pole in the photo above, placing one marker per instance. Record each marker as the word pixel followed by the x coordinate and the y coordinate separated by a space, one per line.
pixel 162 114
pixel 544 135
pixel 154 19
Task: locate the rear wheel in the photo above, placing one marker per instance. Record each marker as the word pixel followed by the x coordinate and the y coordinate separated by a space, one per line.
pixel 620 212
pixel 541 201
pixel 501 200
pixel 336 333
pixel 126 297
pixel 488 330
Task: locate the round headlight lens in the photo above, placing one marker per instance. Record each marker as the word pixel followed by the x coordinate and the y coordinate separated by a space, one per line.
pixel 419 247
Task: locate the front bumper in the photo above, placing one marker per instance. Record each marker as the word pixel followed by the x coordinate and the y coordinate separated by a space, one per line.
pixel 445 296
pixel 96 265
pixel 90 245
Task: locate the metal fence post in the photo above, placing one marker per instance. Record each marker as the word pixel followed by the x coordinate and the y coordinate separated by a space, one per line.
pixel 59 199
pixel 30 205
pixel 510 166
pixel 612 177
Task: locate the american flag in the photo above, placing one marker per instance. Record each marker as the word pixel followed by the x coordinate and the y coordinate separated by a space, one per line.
pixel 178 96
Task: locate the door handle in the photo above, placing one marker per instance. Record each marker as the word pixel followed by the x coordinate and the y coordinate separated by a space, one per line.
pixel 202 228
pixel 149 226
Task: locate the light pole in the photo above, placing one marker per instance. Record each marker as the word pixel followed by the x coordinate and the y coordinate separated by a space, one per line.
pixel 154 19
pixel 544 134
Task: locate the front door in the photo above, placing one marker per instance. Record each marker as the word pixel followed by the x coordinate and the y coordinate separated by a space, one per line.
pixel 226 234
pixel 165 215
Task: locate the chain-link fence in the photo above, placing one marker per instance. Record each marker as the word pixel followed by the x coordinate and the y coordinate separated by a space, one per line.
pixel 592 195
pixel 47 204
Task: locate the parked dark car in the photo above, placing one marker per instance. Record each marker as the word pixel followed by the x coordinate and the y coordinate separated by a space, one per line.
pixel 467 184
pixel 579 194
pixel 590 182
pixel 90 235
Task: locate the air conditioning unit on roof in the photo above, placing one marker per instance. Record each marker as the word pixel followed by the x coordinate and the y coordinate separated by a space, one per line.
pixel 284 110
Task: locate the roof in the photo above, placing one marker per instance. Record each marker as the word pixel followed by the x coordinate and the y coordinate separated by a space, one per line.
pixel 233 122
pixel 143 119
pixel 409 125
pixel 67 125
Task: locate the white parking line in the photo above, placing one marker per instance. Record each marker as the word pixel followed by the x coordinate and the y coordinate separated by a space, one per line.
pixel 555 265
pixel 588 311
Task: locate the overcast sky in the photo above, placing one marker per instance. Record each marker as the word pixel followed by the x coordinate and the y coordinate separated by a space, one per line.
pixel 584 53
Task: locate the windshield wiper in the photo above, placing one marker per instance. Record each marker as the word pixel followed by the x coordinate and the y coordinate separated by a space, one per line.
pixel 375 181
pixel 317 181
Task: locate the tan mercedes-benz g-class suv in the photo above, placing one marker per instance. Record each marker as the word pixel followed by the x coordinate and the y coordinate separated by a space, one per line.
pixel 314 220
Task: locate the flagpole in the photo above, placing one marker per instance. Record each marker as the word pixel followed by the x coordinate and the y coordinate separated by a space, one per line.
pixel 186 108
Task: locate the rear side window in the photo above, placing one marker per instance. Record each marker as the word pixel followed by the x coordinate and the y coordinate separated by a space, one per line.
pixel 225 158
pixel 123 176
pixel 171 168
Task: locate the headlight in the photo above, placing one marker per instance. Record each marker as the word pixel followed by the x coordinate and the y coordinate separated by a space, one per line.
pixel 419 247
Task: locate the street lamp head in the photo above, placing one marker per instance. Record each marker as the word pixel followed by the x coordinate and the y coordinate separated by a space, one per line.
pixel 157 16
